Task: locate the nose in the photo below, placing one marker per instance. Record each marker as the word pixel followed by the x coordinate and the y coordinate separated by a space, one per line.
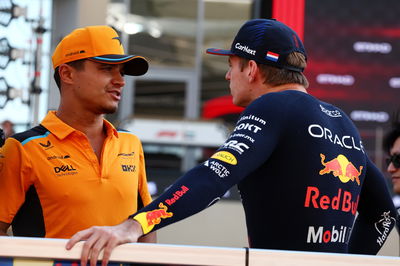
pixel 118 79
pixel 228 75
pixel 391 168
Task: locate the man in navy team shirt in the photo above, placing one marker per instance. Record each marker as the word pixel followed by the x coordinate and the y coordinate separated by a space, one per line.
pixel 299 163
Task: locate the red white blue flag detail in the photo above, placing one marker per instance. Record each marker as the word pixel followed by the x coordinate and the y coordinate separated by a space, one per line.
pixel 272 56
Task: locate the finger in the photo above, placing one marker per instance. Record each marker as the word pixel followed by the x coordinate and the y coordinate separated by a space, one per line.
pixel 96 249
pixel 87 247
pixel 82 235
pixel 112 243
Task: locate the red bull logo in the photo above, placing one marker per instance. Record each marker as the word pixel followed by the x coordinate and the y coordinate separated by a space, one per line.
pixel 149 219
pixel 341 201
pixel 341 167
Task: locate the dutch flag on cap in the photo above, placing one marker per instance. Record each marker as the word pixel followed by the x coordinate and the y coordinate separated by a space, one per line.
pixel 272 56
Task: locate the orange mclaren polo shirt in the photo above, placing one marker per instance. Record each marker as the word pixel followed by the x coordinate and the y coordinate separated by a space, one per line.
pixel 53 185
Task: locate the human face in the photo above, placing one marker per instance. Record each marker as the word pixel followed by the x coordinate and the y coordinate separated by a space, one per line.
pixel 238 82
pixel 394 171
pixel 98 87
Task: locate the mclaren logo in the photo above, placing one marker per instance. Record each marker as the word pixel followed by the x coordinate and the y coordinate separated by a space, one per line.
pixel 117 38
pixel 59 157
pixel 126 154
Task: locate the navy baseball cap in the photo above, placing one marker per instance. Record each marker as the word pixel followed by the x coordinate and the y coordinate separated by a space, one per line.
pixel 266 41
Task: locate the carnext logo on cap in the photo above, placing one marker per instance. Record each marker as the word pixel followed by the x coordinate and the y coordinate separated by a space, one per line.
pixel 245 49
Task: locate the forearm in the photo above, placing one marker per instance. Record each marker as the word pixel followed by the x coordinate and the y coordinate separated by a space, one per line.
pixel 376 215
pixel 368 237
pixel 3 228
pixel 190 194
pixel 149 238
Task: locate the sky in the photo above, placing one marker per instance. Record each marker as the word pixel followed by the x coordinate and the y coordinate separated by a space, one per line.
pixel 19 74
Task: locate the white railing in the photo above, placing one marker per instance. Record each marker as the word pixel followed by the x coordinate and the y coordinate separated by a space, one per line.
pixel 45 249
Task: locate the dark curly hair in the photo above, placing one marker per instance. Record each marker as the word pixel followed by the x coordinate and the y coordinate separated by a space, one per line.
pixel 393 134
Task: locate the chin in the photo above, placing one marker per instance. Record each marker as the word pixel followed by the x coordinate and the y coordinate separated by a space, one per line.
pixel 109 109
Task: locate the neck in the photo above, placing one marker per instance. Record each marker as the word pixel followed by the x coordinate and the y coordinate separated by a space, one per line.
pixel 261 89
pixel 285 87
pixel 89 124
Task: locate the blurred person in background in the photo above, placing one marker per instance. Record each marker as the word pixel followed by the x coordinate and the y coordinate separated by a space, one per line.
pixel 391 145
pixel 299 163
pixel 75 170
pixel 8 128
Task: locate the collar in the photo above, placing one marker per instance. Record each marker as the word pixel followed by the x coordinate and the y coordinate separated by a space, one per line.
pixel 61 130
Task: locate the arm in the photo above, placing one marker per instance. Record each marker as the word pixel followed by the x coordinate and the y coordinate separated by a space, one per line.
pixel 105 238
pixel 3 228
pixel 14 181
pixel 248 147
pixel 376 214
pixel 149 238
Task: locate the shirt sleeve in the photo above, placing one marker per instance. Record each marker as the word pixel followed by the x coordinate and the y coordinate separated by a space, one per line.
pixel 376 214
pixel 255 136
pixel 14 179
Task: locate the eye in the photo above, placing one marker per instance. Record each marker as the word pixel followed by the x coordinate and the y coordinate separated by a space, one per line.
pixel 107 67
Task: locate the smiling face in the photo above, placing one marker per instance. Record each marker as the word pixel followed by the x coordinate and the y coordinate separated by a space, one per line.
pixel 97 87
pixel 394 171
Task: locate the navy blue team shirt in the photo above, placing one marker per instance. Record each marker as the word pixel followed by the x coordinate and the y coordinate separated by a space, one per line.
pixel 305 180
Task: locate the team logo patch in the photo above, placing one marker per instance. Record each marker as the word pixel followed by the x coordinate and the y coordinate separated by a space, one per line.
pixel 128 167
pixel 151 218
pixel 117 38
pixel 383 227
pixel 225 157
pixel 45 145
pixel 341 168
pixel 126 154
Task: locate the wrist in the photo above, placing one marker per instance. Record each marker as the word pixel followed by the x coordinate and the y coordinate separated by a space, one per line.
pixel 141 220
pixel 133 229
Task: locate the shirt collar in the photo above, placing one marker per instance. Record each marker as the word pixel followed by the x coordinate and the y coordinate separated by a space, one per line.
pixel 61 130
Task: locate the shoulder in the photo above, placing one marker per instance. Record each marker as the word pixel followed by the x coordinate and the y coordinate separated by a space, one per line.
pixel 284 104
pixel 288 98
pixel 31 134
pixel 123 133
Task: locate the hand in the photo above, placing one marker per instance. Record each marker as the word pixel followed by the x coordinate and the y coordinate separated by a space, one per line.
pixel 105 238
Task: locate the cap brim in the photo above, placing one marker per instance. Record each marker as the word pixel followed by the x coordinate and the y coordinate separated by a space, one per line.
pixel 133 65
pixel 216 51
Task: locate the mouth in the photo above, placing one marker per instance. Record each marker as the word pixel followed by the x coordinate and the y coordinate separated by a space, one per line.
pixel 116 94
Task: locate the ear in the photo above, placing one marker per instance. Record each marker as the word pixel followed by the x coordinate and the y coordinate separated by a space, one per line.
pixel 252 70
pixel 66 73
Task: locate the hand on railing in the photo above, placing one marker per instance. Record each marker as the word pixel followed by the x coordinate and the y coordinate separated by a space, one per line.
pixel 105 238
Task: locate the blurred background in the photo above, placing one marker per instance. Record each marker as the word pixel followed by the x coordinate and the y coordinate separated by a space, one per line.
pixel 181 109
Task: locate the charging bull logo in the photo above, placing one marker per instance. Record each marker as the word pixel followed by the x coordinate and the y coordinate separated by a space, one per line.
pixel 149 219
pixel 341 168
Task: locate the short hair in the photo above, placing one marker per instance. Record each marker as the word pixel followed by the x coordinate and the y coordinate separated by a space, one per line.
pixel 279 76
pixel 393 134
pixel 77 64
